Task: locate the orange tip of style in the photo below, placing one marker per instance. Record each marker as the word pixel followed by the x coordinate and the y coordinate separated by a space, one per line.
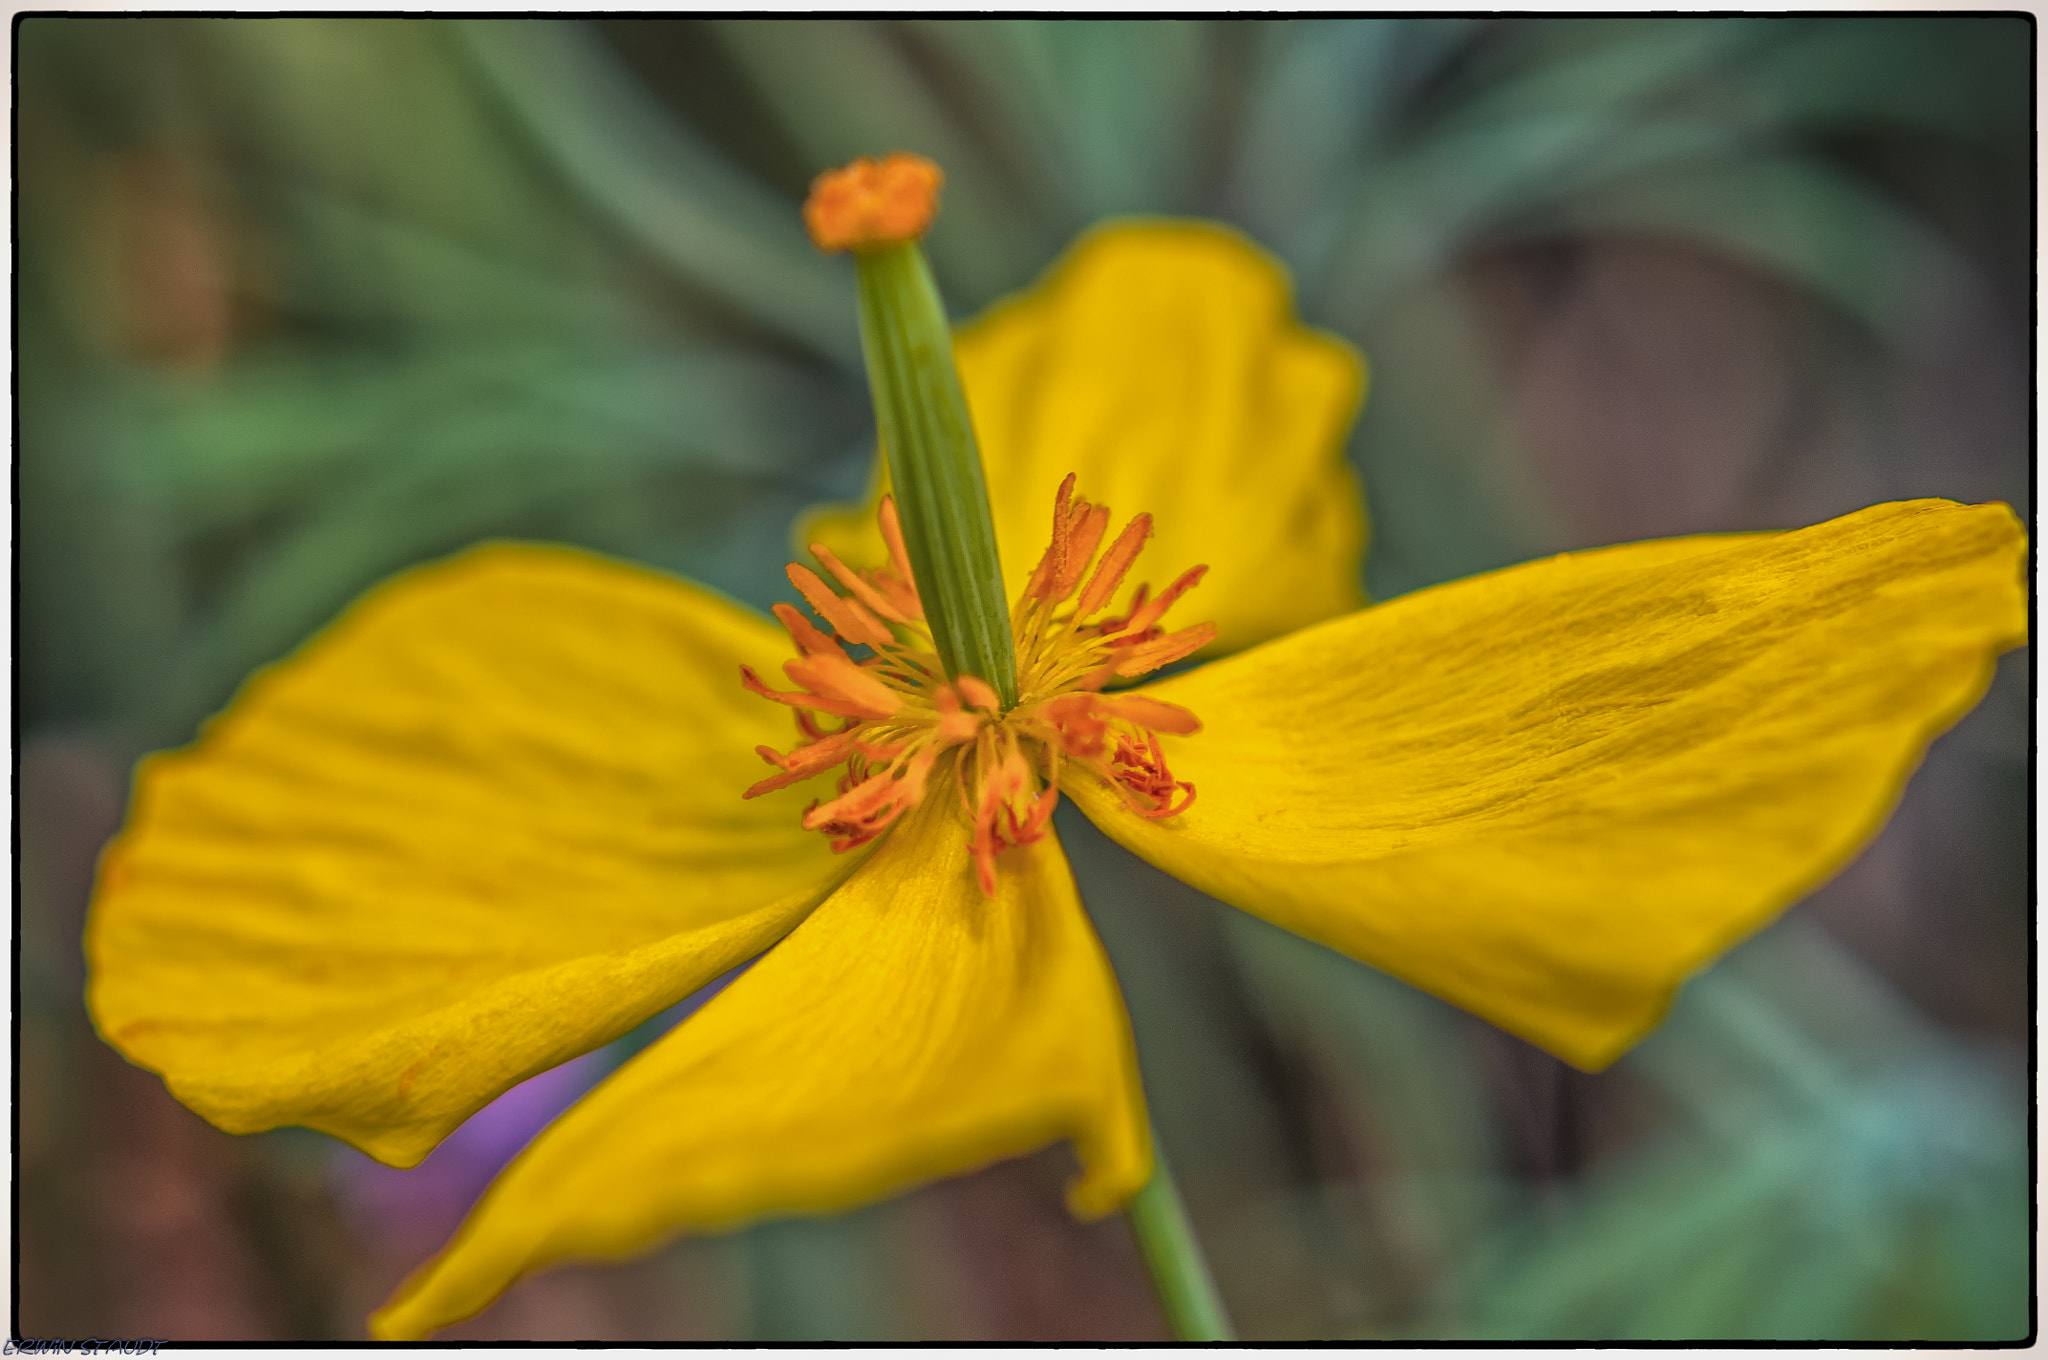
pixel 873 203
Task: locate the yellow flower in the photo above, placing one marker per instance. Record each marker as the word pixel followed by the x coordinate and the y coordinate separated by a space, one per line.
pixel 491 817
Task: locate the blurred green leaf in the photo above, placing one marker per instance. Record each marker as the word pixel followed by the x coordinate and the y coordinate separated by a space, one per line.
pixel 282 428
pixel 724 232
pixel 1963 80
pixel 1871 1197
pixel 844 89
pixel 1793 219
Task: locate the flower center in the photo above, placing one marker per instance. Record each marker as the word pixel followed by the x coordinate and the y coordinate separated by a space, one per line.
pixel 901 716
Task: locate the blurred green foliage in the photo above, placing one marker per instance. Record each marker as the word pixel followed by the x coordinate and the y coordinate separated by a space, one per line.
pixel 303 301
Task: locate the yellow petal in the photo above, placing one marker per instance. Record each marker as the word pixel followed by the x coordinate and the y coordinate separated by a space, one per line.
pixel 488 820
pixel 1161 361
pixel 1551 793
pixel 910 1029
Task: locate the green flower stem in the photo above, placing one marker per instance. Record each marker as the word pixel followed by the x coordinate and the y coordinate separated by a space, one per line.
pixel 934 466
pixel 1174 1257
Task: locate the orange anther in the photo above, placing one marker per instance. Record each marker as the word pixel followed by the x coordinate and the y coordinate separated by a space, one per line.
pixel 802 763
pixel 833 677
pixel 1144 615
pixel 1148 787
pixel 979 694
pixel 1049 565
pixel 898 581
pixel 1089 524
pixel 1145 711
pixel 1164 651
pixel 956 725
pixel 863 590
pixel 801 699
pixel 847 617
pixel 1110 573
pixel 873 203
pixel 808 638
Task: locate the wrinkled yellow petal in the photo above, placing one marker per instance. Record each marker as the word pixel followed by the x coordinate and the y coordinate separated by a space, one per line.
pixel 1551 793
pixel 1161 361
pixel 909 1029
pixel 487 820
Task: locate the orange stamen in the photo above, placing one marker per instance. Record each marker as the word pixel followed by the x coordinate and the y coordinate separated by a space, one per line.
pixel 956 725
pixel 1115 563
pixel 863 590
pixel 833 676
pixel 1144 781
pixel 902 714
pixel 1054 560
pixel 1090 523
pixel 979 694
pixel 803 762
pixel 1144 711
pixel 799 698
pixel 896 580
pixel 1166 650
pixel 892 534
pixel 847 617
pixel 803 632
pixel 1143 614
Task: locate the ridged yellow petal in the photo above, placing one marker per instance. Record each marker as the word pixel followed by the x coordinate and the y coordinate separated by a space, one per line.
pixel 487 820
pixel 1162 362
pixel 1551 793
pixel 909 1029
